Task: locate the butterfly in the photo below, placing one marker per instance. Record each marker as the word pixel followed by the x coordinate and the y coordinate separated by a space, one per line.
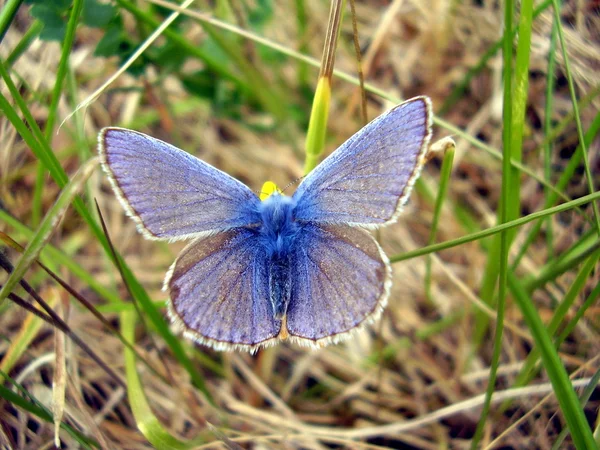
pixel 301 267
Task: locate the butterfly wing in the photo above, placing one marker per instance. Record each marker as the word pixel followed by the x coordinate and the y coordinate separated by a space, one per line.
pixel 218 292
pixel 369 178
pixel 169 193
pixel 340 281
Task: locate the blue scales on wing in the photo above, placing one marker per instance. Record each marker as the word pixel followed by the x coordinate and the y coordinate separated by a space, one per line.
pixel 219 291
pixel 340 281
pixel 170 193
pixel 368 179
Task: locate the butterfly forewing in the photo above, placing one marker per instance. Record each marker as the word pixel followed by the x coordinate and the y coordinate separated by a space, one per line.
pixel 368 179
pixel 218 291
pixel 340 281
pixel 170 193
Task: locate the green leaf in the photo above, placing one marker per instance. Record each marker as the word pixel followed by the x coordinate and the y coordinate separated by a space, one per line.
pixel 167 56
pixel 201 84
pixel 260 15
pixel 55 24
pixel 110 44
pixel 96 14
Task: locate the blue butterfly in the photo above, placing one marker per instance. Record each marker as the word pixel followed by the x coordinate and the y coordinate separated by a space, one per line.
pixel 301 268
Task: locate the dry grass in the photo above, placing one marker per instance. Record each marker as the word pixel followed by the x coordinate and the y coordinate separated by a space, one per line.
pixel 426 394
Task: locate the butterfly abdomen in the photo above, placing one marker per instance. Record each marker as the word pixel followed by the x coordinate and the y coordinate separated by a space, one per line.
pixel 278 233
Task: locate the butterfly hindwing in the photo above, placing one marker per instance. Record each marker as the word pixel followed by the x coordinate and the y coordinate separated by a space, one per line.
pixel 218 291
pixel 369 178
pixel 340 281
pixel 169 193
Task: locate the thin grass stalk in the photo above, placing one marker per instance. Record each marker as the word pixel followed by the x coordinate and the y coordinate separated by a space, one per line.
pixel 319 116
pixel 445 173
pixel 563 389
pixel 507 197
pixel 513 127
pixel 25 42
pixel 495 229
pixel 7 15
pixel 571 83
pixel 564 179
pixel 550 78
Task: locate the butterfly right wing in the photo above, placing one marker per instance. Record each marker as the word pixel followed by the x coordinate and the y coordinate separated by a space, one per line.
pixel 340 282
pixel 169 193
pixel 367 181
pixel 218 289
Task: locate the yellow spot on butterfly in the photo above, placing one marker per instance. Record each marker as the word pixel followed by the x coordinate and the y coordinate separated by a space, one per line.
pixel 268 189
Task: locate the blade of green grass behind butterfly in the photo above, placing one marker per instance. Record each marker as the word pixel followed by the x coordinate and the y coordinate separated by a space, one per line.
pixel 319 115
pixel 146 421
pixel 7 14
pixel 495 229
pixel 28 403
pixel 550 85
pixel 563 389
pixel 584 398
pixel 514 105
pixel 580 133
pixel 50 223
pixel 445 172
pixel 513 112
pixel 40 179
pixel 528 371
pixel 565 177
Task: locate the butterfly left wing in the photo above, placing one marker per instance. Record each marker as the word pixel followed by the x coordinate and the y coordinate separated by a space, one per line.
pixel 169 193
pixel 340 281
pixel 218 289
pixel 369 178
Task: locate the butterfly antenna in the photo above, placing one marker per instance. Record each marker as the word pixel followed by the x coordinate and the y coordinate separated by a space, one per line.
pixel 291 183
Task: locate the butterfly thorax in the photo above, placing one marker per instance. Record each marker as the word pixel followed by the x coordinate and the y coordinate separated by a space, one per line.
pixel 278 231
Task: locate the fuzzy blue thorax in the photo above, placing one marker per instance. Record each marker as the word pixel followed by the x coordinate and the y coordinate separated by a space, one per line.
pixel 278 231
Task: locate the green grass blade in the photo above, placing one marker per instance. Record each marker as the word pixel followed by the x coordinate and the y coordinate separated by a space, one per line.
pixel 145 419
pixel 317 127
pixel 528 372
pixel 50 223
pixel 571 84
pixel 51 255
pixel 563 389
pixel 514 106
pixel 445 172
pixel 585 396
pixel 7 14
pixel 62 67
pixel 496 229
pixel 513 116
pixel 550 77
pixel 30 35
pixel 38 410
pixel 564 179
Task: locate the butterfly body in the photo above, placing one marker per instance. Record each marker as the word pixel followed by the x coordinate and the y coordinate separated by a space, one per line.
pixel 278 232
pixel 301 267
